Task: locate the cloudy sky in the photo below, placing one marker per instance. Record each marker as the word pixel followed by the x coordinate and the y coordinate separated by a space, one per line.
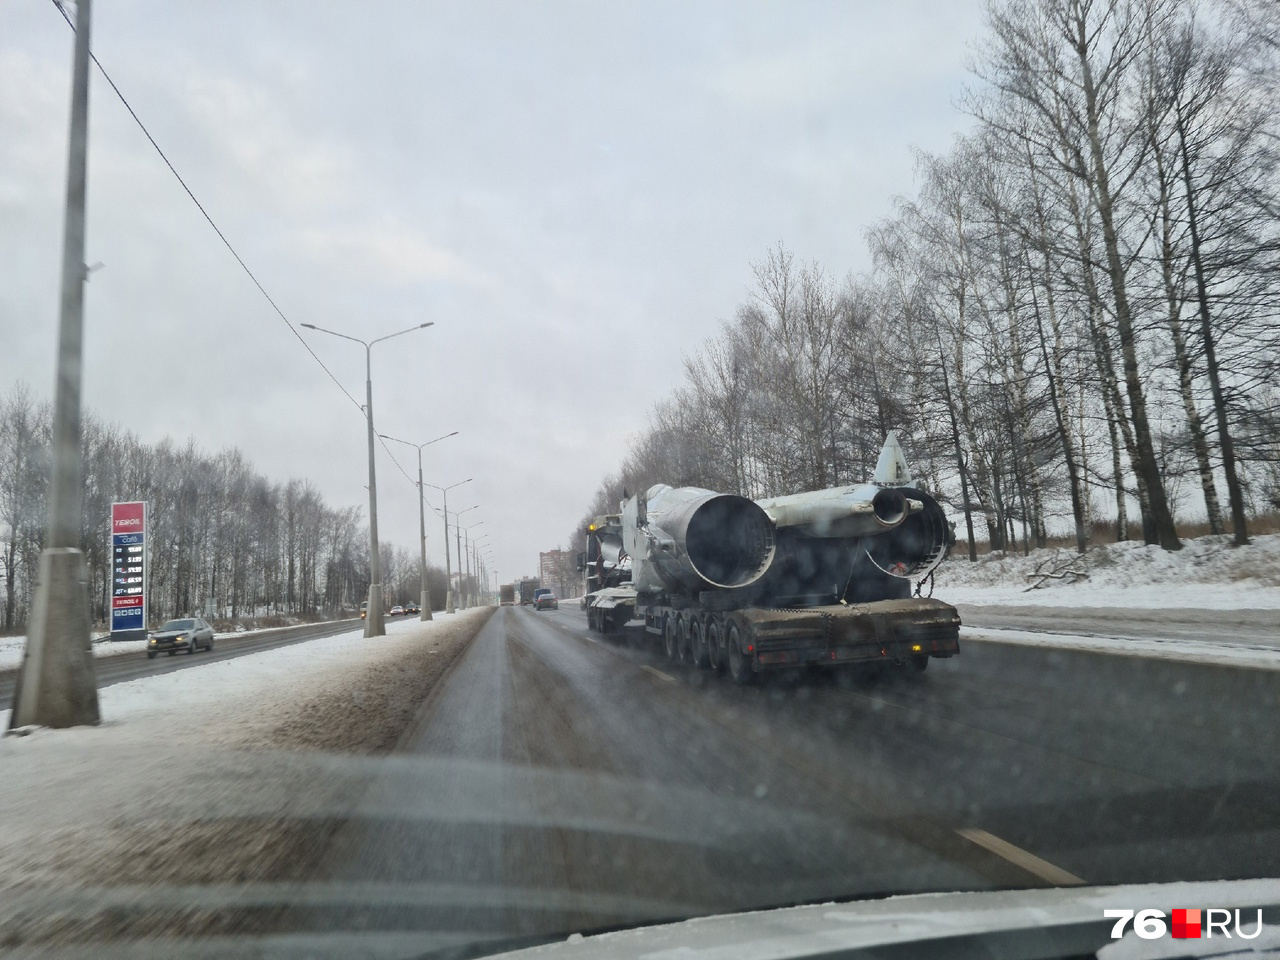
pixel 573 192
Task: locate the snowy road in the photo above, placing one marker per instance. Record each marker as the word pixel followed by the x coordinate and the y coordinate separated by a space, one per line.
pixel 560 782
pixel 554 781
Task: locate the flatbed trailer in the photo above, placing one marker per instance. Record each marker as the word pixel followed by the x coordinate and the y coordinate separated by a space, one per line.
pixel 753 640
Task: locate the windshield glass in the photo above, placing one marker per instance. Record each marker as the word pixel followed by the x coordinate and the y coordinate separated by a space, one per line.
pixel 890 391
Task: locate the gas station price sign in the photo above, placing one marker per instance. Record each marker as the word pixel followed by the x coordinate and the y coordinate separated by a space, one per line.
pixel 128 567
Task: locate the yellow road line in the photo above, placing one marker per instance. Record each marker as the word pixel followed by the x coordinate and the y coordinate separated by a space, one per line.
pixel 1021 858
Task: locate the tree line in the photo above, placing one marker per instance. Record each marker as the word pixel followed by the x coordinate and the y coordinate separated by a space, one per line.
pixel 223 539
pixel 1074 318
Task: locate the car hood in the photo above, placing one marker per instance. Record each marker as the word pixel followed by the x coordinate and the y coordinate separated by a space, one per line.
pixel 170 634
pixel 1011 924
pixel 1062 922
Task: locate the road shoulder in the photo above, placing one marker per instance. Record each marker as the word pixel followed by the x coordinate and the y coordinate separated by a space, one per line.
pixel 233 772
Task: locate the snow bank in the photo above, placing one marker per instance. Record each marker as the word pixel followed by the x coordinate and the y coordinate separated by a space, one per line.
pixel 276 675
pixel 229 771
pixel 1208 573
pixel 104 646
pixel 1186 651
pixel 11 649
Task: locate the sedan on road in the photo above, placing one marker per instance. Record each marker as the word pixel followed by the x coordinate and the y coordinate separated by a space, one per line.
pixel 546 601
pixel 189 635
pixel 397 611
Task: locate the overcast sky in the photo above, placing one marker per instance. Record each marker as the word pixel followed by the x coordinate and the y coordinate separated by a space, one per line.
pixel 572 192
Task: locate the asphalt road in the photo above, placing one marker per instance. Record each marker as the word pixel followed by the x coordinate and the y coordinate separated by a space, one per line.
pixel 126 666
pixel 557 782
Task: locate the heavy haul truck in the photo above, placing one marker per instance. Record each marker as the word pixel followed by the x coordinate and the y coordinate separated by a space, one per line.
pixel 742 586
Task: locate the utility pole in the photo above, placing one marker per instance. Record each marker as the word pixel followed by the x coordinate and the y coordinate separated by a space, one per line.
pixel 425 604
pixel 56 685
pixel 448 567
pixel 471 590
pixel 457 532
pixel 373 624
pixel 475 553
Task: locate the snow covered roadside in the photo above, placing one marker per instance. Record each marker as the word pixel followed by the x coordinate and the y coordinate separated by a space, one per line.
pixel 236 770
pixel 228 686
pixel 1182 650
pixel 11 647
pixel 1207 574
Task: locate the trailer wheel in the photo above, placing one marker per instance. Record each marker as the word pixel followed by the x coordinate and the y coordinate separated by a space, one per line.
pixel 918 663
pixel 682 640
pixel 698 644
pixel 738 662
pixel 670 641
pixel 715 648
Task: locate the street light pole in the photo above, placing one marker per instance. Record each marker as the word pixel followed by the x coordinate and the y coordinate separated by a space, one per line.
pixel 373 626
pixel 471 590
pixel 448 568
pixel 475 553
pixel 457 533
pixel 56 685
pixel 425 612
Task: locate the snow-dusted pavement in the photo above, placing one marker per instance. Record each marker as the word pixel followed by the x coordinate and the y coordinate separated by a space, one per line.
pixel 210 756
pixel 1241 638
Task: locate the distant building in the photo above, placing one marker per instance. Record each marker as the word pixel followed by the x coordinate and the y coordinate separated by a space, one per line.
pixel 557 569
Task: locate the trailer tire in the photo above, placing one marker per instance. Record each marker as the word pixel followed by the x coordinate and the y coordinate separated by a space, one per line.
pixel 715 646
pixel 737 661
pixel 670 640
pixel 698 653
pixel 682 640
pixel 918 663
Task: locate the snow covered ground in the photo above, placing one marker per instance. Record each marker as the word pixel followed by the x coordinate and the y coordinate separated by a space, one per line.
pixel 225 770
pixel 103 646
pixel 277 674
pixel 11 649
pixel 1207 574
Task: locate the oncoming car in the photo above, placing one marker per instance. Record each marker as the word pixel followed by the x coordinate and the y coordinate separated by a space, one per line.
pixel 546 600
pixel 190 635
pixel 397 611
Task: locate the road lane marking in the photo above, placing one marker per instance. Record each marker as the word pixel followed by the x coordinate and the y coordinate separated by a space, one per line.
pixel 657 673
pixel 1021 858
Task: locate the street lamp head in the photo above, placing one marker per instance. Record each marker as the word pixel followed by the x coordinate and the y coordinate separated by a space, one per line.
pixel 423 326
pixel 309 326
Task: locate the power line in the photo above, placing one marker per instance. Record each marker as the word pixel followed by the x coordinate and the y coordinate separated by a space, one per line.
pixel 227 243
pixel 199 206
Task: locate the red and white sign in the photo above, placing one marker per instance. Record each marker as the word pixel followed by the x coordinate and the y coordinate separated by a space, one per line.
pixel 127 517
